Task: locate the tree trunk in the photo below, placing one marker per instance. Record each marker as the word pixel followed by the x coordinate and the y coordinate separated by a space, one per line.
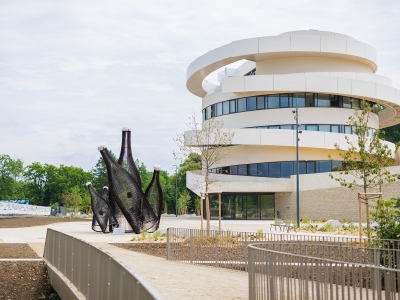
pixel 208 214
pixel 368 219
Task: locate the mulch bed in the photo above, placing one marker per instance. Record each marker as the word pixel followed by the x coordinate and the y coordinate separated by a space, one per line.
pixel 23 279
pixel 16 222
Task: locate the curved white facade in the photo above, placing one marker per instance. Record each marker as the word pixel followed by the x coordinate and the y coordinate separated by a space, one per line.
pixel 323 71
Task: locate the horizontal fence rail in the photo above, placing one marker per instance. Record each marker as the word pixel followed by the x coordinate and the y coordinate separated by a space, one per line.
pixel 228 249
pixel 95 274
pixel 285 275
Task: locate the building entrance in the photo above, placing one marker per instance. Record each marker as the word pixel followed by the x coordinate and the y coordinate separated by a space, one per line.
pixel 250 206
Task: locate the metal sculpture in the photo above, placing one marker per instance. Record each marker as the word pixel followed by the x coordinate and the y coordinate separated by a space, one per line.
pixel 103 215
pixel 129 205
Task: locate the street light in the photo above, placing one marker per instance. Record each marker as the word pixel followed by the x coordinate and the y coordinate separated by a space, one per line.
pixel 176 190
pixel 296 117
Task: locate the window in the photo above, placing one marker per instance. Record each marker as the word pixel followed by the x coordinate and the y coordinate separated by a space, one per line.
pixel 336 164
pixel 241 104
pixel 274 169
pixel 284 100
pixel 312 127
pixel 251 103
pixel 286 169
pixel 232 106
pixel 273 127
pixel 355 103
pixel 203 115
pixel 242 170
pixel 263 169
pixel 346 102
pixel 273 101
pixel 302 167
pixel 335 128
pixel 309 99
pixel 218 109
pixel 233 170
pixel 301 100
pixel 325 166
pixel 225 170
pixel 310 167
pixel 323 100
pixel 225 107
pixel 347 129
pixel 260 102
pixel 208 113
pixel 325 128
pixel 252 170
pixel 286 126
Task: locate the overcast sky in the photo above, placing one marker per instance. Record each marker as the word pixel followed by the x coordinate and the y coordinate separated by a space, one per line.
pixel 73 73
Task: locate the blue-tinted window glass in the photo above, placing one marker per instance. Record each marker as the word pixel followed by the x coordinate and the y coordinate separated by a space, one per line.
pixel 260 102
pixel 225 170
pixel 312 127
pixel 242 170
pixel 233 170
pixel 208 112
pixel 325 128
pixel 212 111
pixel 274 169
pixel 218 109
pixel 273 101
pixel 251 103
pixel 241 104
pixel 263 169
pixel 301 100
pixel 347 129
pixel 273 127
pixel 284 100
pixel 323 100
pixel 286 169
pixel 225 107
pixel 252 171
pixel 310 167
pixel 286 126
pixel 335 128
pixel 302 167
pixel 232 106
pixel 325 166
pixel 336 164
pixel 346 102
pixel 355 103
pixel 309 99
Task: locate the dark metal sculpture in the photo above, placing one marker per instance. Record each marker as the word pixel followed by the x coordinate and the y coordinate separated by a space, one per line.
pixel 103 215
pixel 128 204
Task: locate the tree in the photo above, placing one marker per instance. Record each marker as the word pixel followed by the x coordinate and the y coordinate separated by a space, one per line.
pixel 99 174
pixel 183 201
pixel 11 172
pixel 387 215
pixel 368 159
pixel 72 200
pixel 211 142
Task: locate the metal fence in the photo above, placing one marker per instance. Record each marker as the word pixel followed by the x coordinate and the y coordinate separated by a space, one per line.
pixel 228 249
pixel 315 271
pixel 95 274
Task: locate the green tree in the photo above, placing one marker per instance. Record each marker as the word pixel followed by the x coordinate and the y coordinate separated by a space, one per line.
pixel 191 163
pixel 72 200
pixel 11 184
pixel 387 215
pixel 368 159
pixel 183 200
pixel 99 174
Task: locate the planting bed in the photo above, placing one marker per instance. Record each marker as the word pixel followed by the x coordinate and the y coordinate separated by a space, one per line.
pixel 16 222
pixel 23 279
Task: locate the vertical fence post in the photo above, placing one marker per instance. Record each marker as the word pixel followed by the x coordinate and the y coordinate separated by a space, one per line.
pixel 191 246
pixel 168 243
pixel 250 255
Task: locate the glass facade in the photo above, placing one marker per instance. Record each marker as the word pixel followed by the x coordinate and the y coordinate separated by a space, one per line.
pixel 316 127
pixel 280 169
pixel 244 206
pixel 282 101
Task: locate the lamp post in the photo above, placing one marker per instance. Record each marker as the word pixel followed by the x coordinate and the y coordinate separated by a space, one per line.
pixel 176 190
pixel 296 117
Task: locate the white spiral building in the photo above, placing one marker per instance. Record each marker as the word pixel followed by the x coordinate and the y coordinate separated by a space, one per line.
pixel 328 74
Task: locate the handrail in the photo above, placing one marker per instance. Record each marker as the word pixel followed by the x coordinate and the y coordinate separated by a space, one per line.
pixel 94 273
pixel 283 275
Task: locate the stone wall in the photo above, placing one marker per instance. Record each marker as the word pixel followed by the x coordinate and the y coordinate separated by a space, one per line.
pixel 331 203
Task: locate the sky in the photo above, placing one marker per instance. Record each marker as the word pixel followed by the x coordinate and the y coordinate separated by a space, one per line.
pixel 73 73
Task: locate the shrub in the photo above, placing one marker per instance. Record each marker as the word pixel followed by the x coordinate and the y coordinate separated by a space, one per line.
pixel 306 220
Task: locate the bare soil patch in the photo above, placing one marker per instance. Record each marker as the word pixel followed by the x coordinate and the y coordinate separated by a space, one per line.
pixel 23 279
pixel 155 249
pixel 17 222
pixel 16 251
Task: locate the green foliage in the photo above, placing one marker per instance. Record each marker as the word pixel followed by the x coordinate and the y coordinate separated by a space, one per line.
pixel 387 215
pixel 368 158
pixel 99 173
pixel 306 220
pixel 11 171
pixel 72 200
pixel 344 220
pixel 183 199
pixel 324 220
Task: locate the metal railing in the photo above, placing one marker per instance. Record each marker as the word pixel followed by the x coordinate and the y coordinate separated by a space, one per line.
pixel 228 249
pixel 314 271
pixel 95 274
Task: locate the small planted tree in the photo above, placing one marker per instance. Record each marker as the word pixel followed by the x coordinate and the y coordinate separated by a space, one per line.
pixel 183 202
pixel 211 142
pixel 367 159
